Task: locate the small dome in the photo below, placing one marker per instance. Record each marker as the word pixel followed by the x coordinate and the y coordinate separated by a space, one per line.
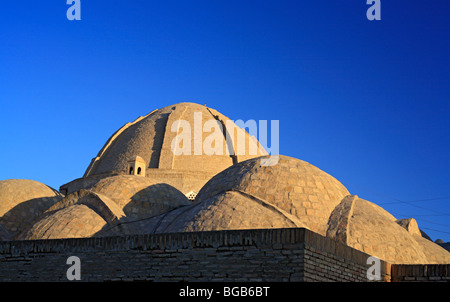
pixel 75 221
pixel 367 227
pixel 292 185
pixel 23 200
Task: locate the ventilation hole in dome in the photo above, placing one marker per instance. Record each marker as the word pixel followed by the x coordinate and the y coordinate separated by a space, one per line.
pixel 191 195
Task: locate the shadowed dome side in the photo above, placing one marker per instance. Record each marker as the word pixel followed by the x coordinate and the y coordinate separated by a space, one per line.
pixel 369 228
pixel 140 197
pixel 23 200
pixel 292 185
pixel 4 234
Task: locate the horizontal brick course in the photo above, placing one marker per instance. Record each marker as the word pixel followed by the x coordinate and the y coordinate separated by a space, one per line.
pixel 422 273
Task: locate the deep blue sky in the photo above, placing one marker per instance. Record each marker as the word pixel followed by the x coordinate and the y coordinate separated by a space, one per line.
pixel 366 101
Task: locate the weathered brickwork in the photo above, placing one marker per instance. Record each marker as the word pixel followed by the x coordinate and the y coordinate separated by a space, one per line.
pixel 279 255
pixel 329 260
pixel 421 273
pixel 253 255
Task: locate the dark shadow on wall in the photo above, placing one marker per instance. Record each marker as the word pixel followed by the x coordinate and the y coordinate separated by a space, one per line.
pixel 158 140
pixel 230 146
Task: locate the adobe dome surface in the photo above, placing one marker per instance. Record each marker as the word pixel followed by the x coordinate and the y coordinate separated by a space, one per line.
pixel 293 186
pixel 21 201
pixel 152 137
pixel 369 228
pixel 76 221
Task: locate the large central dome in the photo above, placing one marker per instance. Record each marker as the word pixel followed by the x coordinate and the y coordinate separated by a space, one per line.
pixel 154 140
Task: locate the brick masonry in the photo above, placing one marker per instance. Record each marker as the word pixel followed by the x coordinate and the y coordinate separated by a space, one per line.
pixel 267 255
pixel 421 273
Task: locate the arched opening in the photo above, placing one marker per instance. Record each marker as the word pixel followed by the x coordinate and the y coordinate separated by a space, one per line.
pixel 136 166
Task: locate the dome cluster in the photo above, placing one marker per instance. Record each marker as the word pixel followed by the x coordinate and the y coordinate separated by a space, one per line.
pixel 104 209
pixel 232 194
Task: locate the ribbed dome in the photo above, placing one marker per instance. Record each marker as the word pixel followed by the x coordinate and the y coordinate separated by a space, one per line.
pixel 155 139
pixel 292 185
pixel 22 200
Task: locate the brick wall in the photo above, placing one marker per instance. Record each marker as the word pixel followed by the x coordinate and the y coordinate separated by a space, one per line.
pixel 253 255
pixel 421 273
pixel 278 255
pixel 328 260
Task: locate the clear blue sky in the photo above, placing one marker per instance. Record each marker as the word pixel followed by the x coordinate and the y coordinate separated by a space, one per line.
pixel 366 101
